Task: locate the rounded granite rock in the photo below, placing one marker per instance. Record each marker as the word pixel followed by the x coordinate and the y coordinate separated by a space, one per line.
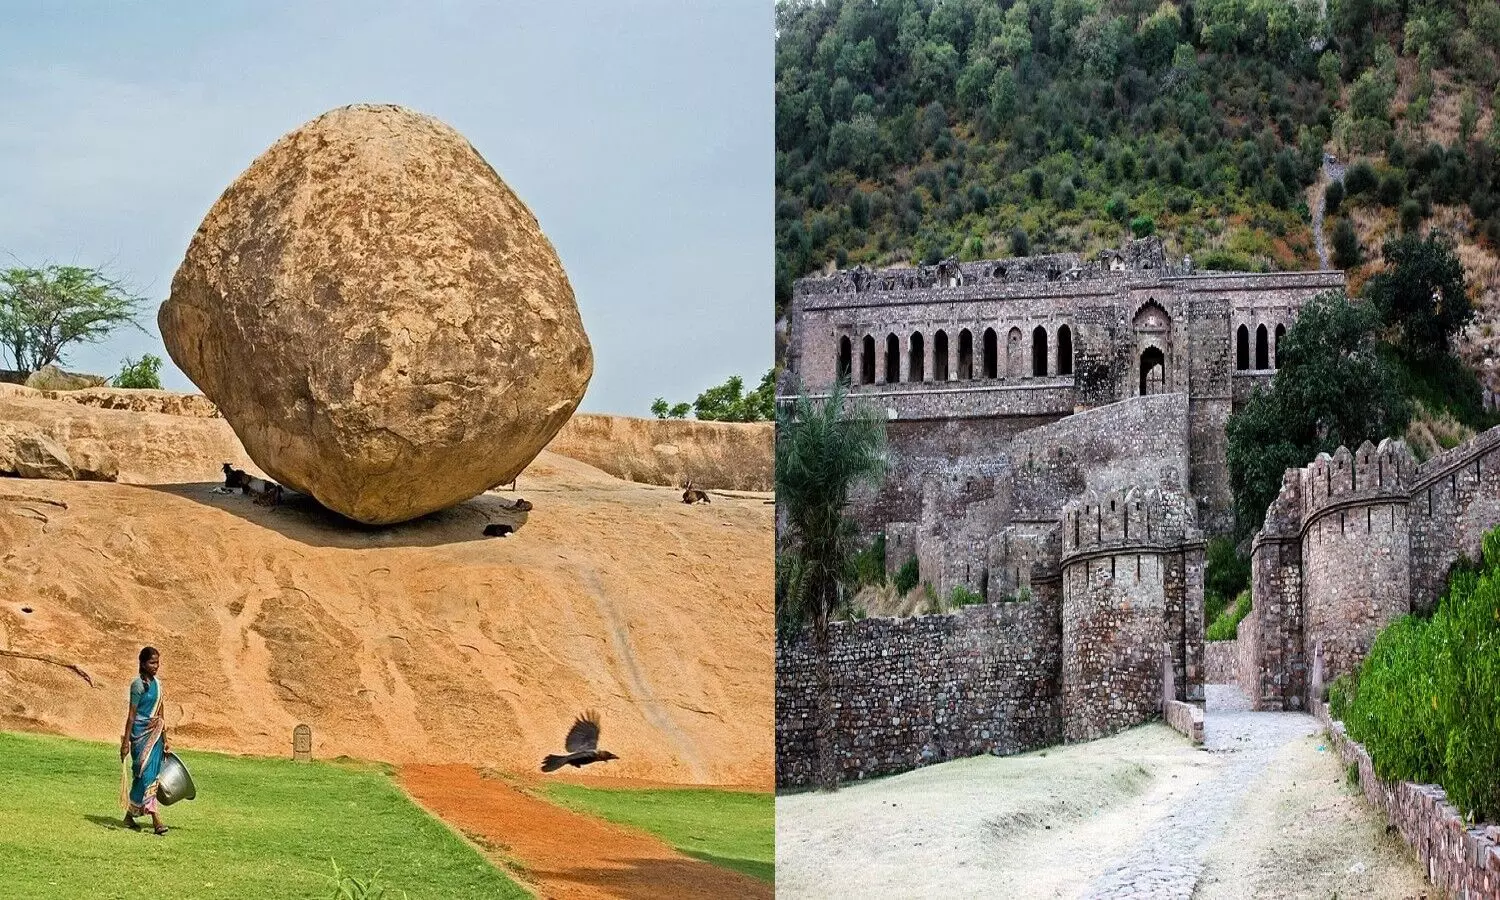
pixel 379 318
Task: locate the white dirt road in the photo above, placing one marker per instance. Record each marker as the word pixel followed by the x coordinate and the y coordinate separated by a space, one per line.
pixel 1263 810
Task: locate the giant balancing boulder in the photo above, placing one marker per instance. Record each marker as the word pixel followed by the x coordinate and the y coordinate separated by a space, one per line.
pixel 379 317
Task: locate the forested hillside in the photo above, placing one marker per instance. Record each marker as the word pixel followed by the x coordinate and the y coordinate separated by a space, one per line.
pixel 912 130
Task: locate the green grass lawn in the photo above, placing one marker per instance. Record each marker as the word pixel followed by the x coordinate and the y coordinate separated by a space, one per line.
pixel 259 828
pixel 727 828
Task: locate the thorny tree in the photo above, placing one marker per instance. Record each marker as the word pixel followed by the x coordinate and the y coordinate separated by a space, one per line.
pixel 43 311
pixel 823 449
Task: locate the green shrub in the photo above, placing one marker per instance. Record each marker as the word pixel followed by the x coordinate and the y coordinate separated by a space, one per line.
pixel 907 576
pixel 143 374
pixel 1142 226
pixel 869 563
pixel 1225 575
pixel 961 596
pixel 1226 625
pixel 1020 244
pixel 1359 179
pixel 1333 196
pixel 1346 253
pixel 1427 703
pixel 1341 694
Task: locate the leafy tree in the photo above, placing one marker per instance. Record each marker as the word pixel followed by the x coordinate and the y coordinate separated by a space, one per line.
pixel 823 450
pixel 1421 294
pixel 1359 179
pixel 45 311
pixel 145 373
pixel 1020 244
pixel 661 410
pixel 1332 388
pixel 728 402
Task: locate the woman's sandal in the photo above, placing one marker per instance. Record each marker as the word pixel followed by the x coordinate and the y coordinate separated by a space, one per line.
pixel 132 824
pixel 162 830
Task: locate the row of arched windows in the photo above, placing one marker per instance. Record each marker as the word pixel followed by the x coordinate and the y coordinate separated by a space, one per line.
pixel 991 364
pixel 1266 357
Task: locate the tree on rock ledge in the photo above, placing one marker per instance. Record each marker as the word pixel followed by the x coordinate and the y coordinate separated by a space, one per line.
pixel 823 449
pixel 43 311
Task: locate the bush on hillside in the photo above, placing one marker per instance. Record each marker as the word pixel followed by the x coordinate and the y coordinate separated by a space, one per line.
pixel 1225 575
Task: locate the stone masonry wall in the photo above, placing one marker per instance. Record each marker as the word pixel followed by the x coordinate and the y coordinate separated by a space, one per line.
pixel 1455 498
pixel 1221 662
pixel 1460 860
pixel 911 692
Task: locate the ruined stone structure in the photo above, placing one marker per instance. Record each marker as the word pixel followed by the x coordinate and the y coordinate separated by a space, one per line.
pixel 1057 432
pixel 1352 542
pixel 963 357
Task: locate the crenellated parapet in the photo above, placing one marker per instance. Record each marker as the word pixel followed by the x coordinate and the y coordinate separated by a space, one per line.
pixel 1127 519
pixel 1132 591
pixel 1345 479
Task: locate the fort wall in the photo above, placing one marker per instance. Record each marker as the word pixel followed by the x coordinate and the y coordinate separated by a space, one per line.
pixel 916 691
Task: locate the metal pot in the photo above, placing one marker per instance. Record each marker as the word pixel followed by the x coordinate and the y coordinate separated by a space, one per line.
pixel 173 782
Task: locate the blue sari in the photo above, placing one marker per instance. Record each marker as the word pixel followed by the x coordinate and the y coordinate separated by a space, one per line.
pixel 147 731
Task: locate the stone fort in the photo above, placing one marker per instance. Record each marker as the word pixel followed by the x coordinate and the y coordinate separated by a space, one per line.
pixel 1057 445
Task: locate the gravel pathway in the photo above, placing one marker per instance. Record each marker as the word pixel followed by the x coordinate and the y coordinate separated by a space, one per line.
pixel 1168 860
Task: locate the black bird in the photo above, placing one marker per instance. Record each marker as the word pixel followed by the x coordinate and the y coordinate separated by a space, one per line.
pixel 582 744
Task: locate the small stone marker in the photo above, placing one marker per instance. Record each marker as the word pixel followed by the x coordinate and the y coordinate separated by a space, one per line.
pixel 302 744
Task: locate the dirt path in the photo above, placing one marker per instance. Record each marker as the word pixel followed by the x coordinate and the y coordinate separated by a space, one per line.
pixel 1259 811
pixel 562 855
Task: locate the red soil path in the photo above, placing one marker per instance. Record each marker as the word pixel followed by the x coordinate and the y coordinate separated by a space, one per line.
pixel 564 855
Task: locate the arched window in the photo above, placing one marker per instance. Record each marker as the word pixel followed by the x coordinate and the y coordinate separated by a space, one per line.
pixel 940 356
pixel 1276 349
pixel 1064 351
pixel 1039 351
pixel 1015 354
pixel 1242 349
pixel 1153 372
pixel 867 361
pixel 965 355
pixel 892 360
pixel 1262 356
pixel 846 360
pixel 916 362
pixel 991 354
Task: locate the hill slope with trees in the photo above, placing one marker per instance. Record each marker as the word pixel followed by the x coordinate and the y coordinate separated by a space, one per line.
pixel 913 130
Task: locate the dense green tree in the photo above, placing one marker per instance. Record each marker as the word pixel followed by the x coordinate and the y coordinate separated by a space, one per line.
pixel 1332 388
pixel 142 373
pixel 662 410
pixel 1421 294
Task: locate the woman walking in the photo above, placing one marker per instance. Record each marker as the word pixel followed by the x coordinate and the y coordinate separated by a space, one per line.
pixel 145 742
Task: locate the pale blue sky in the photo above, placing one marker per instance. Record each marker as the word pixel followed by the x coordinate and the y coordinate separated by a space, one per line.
pixel 639 133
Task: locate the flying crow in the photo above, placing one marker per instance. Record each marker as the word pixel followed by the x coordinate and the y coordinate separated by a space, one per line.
pixel 582 744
